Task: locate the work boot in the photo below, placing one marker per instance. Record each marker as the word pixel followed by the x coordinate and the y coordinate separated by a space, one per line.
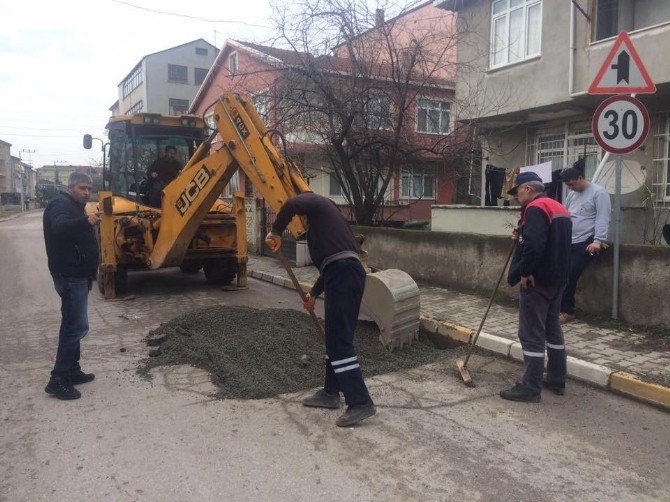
pixel 62 388
pixel 555 387
pixel 77 376
pixel 321 399
pixel 356 413
pixel 520 393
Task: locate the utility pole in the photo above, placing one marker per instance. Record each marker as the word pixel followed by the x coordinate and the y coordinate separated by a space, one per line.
pixel 56 173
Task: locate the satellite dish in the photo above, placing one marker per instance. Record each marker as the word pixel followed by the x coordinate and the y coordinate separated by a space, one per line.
pixel 633 173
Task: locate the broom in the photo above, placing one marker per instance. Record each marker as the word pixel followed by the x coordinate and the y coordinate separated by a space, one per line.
pixel 462 364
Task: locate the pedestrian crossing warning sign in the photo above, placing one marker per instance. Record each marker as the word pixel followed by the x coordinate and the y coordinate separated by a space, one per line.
pixel 623 71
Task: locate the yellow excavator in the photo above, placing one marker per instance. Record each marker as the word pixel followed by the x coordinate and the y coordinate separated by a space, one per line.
pixel 193 228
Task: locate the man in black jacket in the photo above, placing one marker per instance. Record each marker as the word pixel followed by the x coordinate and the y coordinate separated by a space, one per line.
pixel 541 264
pixel 72 251
pixel 334 252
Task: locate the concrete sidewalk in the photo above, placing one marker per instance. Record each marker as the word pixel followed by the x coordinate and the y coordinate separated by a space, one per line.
pixel 621 359
pixel 10 215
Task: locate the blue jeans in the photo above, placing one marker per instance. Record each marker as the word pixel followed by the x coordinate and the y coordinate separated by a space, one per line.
pixel 74 322
pixel 579 260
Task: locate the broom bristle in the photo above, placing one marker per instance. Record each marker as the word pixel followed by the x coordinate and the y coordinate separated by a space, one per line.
pixel 465 374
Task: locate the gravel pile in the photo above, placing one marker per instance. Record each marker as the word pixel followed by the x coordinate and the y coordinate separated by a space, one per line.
pixel 253 354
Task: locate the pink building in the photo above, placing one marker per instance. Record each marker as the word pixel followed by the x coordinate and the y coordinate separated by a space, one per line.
pixel 428 128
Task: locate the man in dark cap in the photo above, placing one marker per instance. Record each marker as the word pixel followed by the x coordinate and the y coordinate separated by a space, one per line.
pixel 541 265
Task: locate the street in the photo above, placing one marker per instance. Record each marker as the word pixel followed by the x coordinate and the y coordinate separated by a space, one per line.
pixel 168 439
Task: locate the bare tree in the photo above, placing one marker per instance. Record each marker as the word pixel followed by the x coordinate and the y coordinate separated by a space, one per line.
pixel 352 89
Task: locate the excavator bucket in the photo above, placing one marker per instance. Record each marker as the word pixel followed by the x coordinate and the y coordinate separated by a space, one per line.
pixel 391 298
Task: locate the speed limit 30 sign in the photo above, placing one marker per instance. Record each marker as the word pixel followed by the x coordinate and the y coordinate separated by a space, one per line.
pixel 620 124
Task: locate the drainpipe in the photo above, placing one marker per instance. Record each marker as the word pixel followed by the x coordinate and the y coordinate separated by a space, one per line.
pixel 571 63
pixel 485 147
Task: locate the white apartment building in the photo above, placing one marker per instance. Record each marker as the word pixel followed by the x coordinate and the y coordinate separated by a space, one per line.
pixel 165 81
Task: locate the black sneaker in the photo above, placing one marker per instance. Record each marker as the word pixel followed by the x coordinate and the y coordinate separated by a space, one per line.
pixel 555 387
pixel 321 399
pixel 77 376
pixel 62 388
pixel 520 393
pixel 356 413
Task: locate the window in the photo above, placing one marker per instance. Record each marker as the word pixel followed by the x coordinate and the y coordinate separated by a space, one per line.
pixel 232 63
pixel 133 80
pixel 232 186
pixel 582 144
pixel 200 74
pixel 178 74
pixel 607 19
pixel 262 104
pixel 611 17
pixel 209 120
pixel 661 157
pixel 178 106
pixel 378 112
pixel 666 171
pixel 200 51
pixel 335 189
pixel 432 116
pixel 417 184
pixel 516 30
pixel 136 108
pixel 551 147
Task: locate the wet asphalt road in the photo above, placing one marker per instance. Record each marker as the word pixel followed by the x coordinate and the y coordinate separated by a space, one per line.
pixel 169 439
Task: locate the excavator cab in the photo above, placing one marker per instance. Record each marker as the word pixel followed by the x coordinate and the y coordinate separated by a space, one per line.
pixel 139 143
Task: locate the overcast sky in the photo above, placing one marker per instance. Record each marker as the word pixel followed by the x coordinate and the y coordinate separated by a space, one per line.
pixel 62 61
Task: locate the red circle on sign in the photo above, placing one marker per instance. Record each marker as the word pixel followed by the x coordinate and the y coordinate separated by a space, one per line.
pixel 603 142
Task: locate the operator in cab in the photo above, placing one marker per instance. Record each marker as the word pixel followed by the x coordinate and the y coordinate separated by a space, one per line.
pixel 161 172
pixel 335 253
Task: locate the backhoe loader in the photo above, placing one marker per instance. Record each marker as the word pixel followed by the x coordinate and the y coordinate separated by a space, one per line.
pixel 193 228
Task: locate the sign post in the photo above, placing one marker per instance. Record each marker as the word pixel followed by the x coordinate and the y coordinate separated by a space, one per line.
pixel 620 124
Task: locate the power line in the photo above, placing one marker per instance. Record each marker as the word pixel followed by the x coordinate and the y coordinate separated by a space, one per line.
pixel 37 135
pixel 38 128
pixel 189 17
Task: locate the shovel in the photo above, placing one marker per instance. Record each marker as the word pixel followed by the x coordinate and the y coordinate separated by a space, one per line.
pixel 462 364
pixel 301 292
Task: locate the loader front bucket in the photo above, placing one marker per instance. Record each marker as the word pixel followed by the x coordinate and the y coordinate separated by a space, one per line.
pixel 391 298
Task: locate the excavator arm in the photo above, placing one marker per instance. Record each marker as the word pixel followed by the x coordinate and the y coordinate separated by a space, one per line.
pixel 391 296
pixel 246 146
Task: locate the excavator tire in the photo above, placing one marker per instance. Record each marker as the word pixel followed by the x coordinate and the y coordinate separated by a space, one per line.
pixel 220 271
pixel 112 283
pixel 190 267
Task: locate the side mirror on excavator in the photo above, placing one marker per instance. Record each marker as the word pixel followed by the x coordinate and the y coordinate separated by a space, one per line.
pixel 88 141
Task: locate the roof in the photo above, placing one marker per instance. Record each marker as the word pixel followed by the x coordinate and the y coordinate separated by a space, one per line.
pixel 391 20
pixel 283 55
pixel 165 50
pixel 453 5
pixel 287 59
pixel 271 55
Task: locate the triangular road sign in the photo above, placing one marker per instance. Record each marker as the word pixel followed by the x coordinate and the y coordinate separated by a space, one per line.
pixel 623 71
